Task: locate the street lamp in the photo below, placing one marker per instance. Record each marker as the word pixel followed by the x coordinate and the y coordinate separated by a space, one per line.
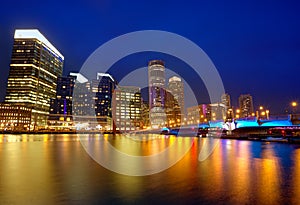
pixel 294 106
pixel 237 113
pixel 268 114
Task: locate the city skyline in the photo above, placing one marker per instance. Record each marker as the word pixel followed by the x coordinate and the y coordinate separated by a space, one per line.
pixel 149 102
pixel 31 51
pixel 36 61
pixel 259 43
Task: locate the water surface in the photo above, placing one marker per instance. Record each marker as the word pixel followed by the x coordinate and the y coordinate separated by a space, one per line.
pixel 55 169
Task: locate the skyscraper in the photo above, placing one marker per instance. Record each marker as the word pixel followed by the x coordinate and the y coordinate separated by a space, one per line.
pixel 156 77
pixel 82 100
pixel 127 108
pixel 35 66
pixel 103 88
pixel 176 88
pixel 60 116
pixel 225 100
pixel 93 100
pixel 246 105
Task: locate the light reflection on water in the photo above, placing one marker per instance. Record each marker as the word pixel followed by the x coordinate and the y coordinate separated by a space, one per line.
pixel 55 169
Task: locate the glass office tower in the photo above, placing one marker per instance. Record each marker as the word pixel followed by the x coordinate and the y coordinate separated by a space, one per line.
pixel 35 66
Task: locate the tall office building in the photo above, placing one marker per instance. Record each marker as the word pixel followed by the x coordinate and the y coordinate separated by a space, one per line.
pixel 83 105
pixel 156 78
pixel 246 105
pixel 225 100
pixel 127 108
pixel 82 99
pixel 60 116
pixel 103 88
pixel 35 66
pixel 176 88
pixel 93 100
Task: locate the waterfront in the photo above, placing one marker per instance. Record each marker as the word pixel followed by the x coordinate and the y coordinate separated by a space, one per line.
pixel 55 169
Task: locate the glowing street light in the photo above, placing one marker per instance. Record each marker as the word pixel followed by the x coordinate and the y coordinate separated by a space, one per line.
pixel 294 106
pixel 261 107
pixel 268 113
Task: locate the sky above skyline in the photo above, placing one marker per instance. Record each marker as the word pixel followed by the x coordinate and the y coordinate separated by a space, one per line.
pixel 255 45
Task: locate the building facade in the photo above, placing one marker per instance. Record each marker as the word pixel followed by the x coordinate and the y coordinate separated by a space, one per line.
pixel 35 66
pixel 92 101
pixel 60 116
pixel 246 105
pixel 127 109
pixel 145 121
pixel 15 117
pixel 176 88
pixel 172 110
pixel 156 79
pixel 196 115
pixel 205 113
pixel 103 88
pixel 225 100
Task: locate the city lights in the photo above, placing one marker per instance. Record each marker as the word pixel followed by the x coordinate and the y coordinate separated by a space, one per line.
pixel 51 99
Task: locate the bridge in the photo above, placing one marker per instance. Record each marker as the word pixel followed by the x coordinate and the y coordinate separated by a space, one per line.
pixel 274 121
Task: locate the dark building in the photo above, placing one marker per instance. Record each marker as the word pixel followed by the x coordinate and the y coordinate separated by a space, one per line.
pixel 35 66
pixel 60 116
pixel 103 89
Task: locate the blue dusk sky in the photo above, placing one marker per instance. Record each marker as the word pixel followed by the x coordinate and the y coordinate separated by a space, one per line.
pixel 255 45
